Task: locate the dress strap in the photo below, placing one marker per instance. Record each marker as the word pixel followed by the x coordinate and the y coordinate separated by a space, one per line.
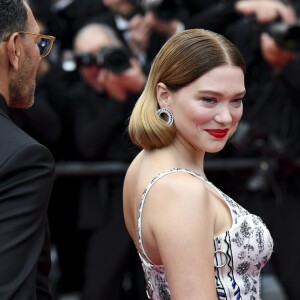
pixel 142 202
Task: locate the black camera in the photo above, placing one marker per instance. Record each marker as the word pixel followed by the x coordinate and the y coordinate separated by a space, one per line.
pixel 115 59
pixel 285 36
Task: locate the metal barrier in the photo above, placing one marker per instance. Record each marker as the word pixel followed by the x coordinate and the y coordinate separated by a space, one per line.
pixel 79 168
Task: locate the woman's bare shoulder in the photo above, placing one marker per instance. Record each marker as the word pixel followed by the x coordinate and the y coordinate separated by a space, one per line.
pixel 180 214
pixel 180 192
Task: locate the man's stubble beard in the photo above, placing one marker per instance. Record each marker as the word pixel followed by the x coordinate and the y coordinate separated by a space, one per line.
pixel 20 89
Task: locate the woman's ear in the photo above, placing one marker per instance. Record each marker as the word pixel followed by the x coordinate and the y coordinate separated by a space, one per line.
pixel 162 94
pixel 14 50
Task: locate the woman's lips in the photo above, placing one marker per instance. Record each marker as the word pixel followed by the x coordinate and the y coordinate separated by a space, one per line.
pixel 218 133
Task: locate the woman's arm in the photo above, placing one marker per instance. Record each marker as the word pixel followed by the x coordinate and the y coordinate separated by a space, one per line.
pixel 179 222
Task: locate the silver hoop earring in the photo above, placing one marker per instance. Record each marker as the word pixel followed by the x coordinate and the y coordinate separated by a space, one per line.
pixel 166 111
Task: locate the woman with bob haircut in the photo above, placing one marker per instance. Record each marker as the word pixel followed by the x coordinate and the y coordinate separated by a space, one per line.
pixel 194 241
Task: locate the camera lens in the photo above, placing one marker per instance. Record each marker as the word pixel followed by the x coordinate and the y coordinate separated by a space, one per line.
pixel 286 36
pixel 115 59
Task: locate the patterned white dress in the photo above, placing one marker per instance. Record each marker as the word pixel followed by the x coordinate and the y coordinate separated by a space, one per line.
pixel 240 253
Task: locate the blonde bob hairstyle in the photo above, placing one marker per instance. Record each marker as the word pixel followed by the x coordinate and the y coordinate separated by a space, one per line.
pixel 183 58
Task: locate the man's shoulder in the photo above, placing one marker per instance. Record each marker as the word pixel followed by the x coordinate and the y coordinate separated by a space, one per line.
pixel 10 132
pixel 13 138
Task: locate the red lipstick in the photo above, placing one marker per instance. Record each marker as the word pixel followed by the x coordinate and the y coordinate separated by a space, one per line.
pixel 218 133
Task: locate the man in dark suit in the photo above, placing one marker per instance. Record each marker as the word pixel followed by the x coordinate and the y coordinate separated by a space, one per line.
pixel 26 167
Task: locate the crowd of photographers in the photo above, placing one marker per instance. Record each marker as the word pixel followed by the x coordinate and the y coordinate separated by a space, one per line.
pixel 86 89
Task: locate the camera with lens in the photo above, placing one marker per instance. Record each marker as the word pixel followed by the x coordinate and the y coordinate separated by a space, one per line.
pixel 285 36
pixel 116 59
pixel 271 150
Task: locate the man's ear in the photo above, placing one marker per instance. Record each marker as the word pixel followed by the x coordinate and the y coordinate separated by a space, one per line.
pixel 14 46
pixel 162 94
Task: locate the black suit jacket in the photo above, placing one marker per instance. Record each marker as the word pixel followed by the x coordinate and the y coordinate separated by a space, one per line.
pixel 95 130
pixel 26 178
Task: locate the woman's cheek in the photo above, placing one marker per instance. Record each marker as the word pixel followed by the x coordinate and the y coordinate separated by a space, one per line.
pixel 237 115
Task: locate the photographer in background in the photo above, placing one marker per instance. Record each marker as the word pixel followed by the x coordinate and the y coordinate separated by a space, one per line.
pixel 144 26
pixel 97 109
pixel 270 129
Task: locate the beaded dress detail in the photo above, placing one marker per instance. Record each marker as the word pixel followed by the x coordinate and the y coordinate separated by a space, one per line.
pixel 240 253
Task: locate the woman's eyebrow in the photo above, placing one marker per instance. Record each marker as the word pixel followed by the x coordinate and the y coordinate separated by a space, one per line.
pixel 238 94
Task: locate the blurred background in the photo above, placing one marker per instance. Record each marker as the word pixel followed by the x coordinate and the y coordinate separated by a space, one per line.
pixel 84 97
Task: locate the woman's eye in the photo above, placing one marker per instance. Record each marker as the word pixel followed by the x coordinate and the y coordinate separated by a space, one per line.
pixel 237 101
pixel 208 100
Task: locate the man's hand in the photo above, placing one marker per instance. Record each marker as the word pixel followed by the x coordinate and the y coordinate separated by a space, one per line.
pixel 119 86
pixel 266 11
pixel 165 27
pixel 140 32
pixel 276 56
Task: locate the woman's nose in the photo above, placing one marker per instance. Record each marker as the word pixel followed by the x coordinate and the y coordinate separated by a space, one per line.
pixel 223 115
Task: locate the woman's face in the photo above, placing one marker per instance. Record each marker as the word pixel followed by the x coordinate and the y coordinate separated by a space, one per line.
pixel 207 111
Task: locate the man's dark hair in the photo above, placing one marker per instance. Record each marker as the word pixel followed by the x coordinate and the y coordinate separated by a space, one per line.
pixel 13 17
